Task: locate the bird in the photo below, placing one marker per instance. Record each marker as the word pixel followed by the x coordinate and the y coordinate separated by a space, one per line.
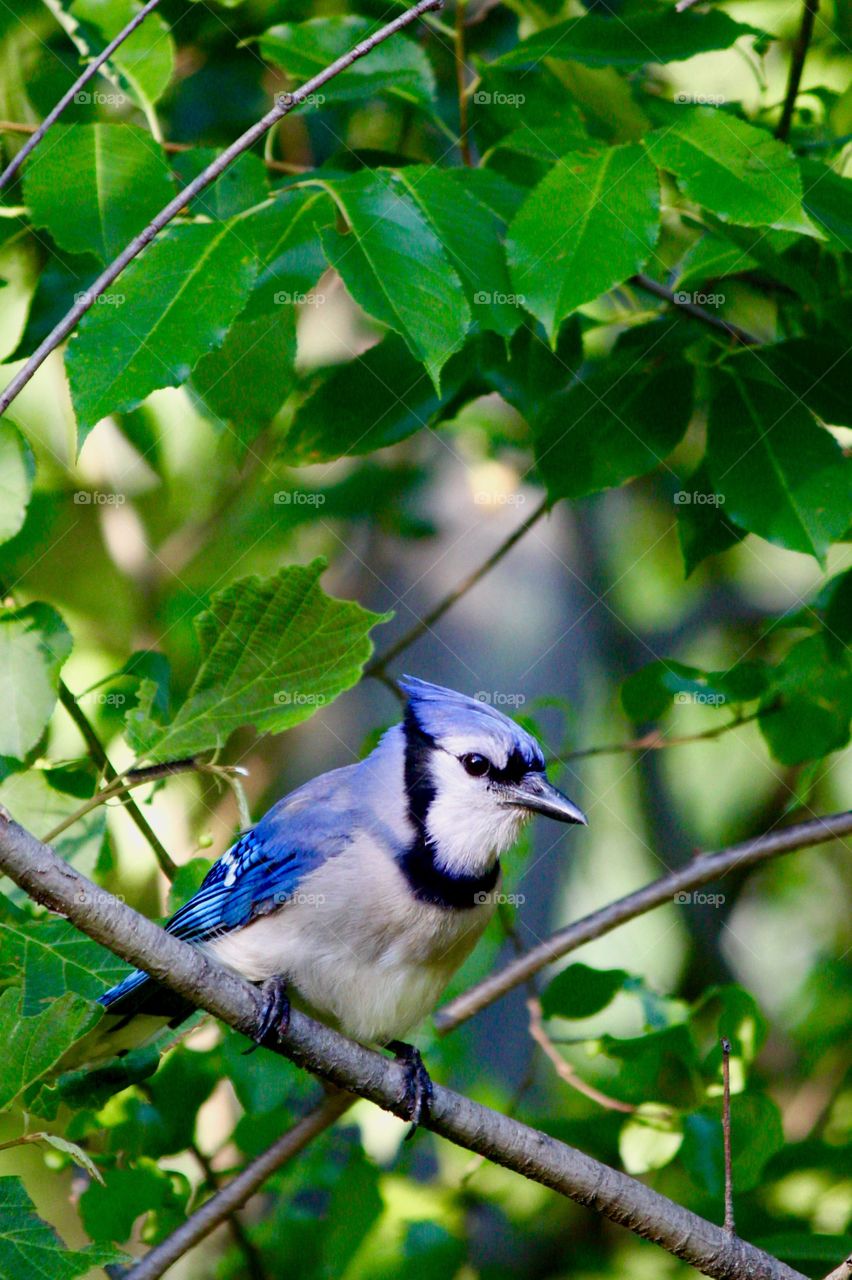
pixel 358 895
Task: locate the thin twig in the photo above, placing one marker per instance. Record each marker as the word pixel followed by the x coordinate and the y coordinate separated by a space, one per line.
pixel 96 750
pixel 221 1206
pixel 253 1259
pixel 797 66
pixel 464 139
pixel 734 331
pixel 657 741
pixel 351 1066
pixel 726 1135
pixel 377 667
pixel 700 871
pixel 285 104
pixel 564 1069
pixel 86 75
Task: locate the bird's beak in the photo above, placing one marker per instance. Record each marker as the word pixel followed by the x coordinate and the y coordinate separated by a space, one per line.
pixel 534 792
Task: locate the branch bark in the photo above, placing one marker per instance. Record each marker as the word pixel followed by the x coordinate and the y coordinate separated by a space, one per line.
pixel 83 79
pixel 702 870
pixel 352 1067
pixel 207 176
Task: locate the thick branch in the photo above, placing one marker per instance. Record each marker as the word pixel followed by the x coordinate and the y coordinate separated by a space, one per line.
pixel 351 1066
pixel 241 1188
pixel 285 104
pixel 86 75
pixel 700 871
pixel 379 665
pixel 797 66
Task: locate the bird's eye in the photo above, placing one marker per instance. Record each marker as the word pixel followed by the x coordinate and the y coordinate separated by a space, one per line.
pixel 475 764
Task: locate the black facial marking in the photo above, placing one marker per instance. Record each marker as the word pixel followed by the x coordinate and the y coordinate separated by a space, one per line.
pixel 428 881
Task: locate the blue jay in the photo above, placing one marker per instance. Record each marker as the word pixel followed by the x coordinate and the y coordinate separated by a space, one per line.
pixel 362 892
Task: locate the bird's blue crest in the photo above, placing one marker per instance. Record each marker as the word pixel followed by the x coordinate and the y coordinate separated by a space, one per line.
pixel 448 717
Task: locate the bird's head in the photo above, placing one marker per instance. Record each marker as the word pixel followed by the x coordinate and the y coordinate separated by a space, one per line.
pixel 472 776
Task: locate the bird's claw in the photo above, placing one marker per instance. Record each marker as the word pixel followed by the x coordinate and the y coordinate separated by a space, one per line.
pixel 275 1013
pixel 417 1098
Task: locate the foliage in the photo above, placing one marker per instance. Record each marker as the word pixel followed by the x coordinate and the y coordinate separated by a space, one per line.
pixel 357 348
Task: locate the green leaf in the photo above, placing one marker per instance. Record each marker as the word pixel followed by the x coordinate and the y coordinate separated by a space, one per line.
pixel 143 64
pixel 395 267
pixel 650 692
pixel 272 651
pixel 828 201
pixel 814 686
pixel 659 1064
pixel 816 370
pixel 368 404
pixel 31 1250
pixel 579 992
pixel 110 1210
pixel 619 422
pixel 34 643
pixel 42 798
pixel 712 257
pixel 739 171
pixel 33 1045
pixel 589 225
pixel 399 68
pixel 242 186
pixel 16 479
pixel 630 43
pixel 756 1135
pixel 702 525
pixel 782 475
pixel 286 241
pixel 49 957
pixel 479 259
pixel 791 1246
pixel 650 1138
pixel 96 186
pixel 175 303
pixel 247 380
pixel 530 372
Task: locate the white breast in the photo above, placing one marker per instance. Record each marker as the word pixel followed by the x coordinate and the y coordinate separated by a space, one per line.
pixel 357 948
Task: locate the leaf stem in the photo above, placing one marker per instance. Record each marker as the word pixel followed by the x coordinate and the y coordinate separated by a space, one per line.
pixel 726 1135
pixel 464 127
pixel 208 175
pixel 86 75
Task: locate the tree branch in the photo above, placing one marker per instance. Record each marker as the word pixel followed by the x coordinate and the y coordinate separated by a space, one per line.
pixel 657 741
pixel 377 666
pixel 700 871
pixel 534 1155
pixel 564 1069
pixel 241 1188
pixel 93 67
pixel 797 66
pixel 285 104
pixel 96 750
pixel 734 331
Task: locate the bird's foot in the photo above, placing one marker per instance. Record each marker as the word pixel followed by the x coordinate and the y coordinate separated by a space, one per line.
pixel 275 1012
pixel 418 1084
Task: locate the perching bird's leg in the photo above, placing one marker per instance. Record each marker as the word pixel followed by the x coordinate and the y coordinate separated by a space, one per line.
pixel 275 1012
pixel 418 1084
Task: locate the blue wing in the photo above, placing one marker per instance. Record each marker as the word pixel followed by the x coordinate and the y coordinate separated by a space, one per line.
pixel 258 874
